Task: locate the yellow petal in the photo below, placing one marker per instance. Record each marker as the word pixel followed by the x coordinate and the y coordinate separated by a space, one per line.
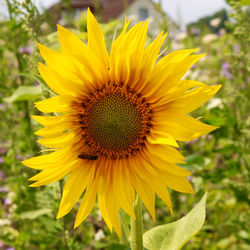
pixel 110 189
pixel 73 47
pixel 74 187
pixel 46 161
pixel 154 182
pixel 162 138
pixel 59 126
pixel 53 104
pixel 59 84
pixel 72 71
pixel 173 75
pixel 163 193
pixel 151 53
pixel 127 55
pixel 61 141
pixel 51 121
pixel 166 153
pixel 167 66
pixel 182 127
pixel 182 87
pixel 104 212
pixel 123 189
pixel 158 163
pixel 135 44
pixel 193 99
pixel 51 175
pixel 48 132
pixel 149 168
pixel 112 210
pixel 144 190
pixel 96 40
pixel 175 57
pixel 47 120
pixel 178 183
pixel 102 177
pixel 87 203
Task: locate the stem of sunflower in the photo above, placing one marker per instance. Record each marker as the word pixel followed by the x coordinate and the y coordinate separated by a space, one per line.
pixel 136 226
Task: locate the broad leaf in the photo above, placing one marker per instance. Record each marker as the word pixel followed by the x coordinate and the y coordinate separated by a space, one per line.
pixel 174 235
pixel 24 93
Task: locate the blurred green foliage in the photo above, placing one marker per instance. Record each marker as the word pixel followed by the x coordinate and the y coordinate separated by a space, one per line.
pixel 204 24
pixel 219 161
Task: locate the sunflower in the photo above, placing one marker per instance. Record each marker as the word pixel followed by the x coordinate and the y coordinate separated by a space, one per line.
pixel 121 115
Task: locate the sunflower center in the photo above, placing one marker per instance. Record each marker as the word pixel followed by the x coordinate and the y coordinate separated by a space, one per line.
pixel 115 121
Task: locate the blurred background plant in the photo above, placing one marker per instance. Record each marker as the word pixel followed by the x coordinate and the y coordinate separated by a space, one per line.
pixel 219 161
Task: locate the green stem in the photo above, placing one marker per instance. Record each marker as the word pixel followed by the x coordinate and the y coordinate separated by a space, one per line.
pixel 65 231
pixel 125 229
pixel 136 226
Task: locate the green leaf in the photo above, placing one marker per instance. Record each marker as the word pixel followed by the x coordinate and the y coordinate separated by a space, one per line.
pixel 174 235
pixel 24 93
pixel 33 214
pixel 245 2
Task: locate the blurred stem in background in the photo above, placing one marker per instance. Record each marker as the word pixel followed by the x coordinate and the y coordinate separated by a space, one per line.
pixel 65 230
pixel 125 230
pixel 23 17
pixel 240 65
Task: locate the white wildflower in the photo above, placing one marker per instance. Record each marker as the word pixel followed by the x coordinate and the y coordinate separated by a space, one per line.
pixel 214 102
pixel 215 22
pixel 209 38
pixel 99 235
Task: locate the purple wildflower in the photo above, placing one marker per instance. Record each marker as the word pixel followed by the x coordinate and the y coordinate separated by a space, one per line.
pixel 2 107
pixel 226 70
pixel 236 48
pixel 36 83
pixel 4 190
pixel 26 50
pixel 6 202
pixel 19 157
